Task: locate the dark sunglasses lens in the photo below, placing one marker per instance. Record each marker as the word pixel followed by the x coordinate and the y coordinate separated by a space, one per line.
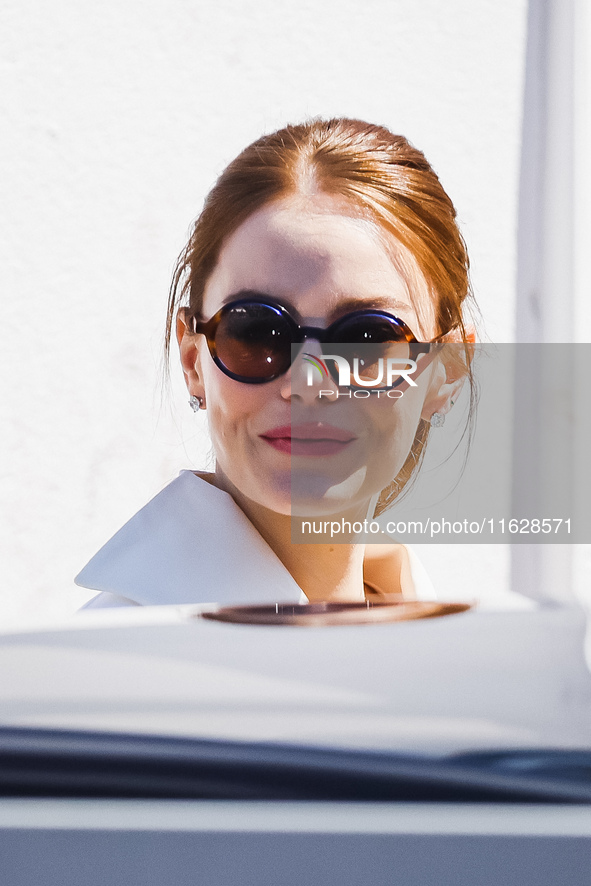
pixel 372 329
pixel 380 338
pixel 254 341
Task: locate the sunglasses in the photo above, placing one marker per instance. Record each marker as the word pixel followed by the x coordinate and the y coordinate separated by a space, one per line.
pixel 251 339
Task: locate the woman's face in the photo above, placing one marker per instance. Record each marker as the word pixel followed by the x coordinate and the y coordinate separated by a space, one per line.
pixel 320 260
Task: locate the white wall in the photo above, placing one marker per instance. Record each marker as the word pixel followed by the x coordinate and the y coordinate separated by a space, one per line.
pixel 115 120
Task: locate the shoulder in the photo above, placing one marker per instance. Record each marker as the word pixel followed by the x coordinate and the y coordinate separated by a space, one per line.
pixel 190 544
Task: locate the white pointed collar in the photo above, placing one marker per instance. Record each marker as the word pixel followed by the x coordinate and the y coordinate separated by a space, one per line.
pixel 190 544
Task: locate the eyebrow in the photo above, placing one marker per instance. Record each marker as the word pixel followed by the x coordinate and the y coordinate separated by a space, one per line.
pixel 344 306
pixel 378 302
pixel 249 293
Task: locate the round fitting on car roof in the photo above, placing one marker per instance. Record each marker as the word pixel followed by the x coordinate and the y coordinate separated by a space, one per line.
pixel 324 614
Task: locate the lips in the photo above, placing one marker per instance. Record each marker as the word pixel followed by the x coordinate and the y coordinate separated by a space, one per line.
pixel 311 438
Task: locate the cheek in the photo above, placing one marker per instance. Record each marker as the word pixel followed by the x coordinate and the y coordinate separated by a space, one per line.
pixel 234 414
pixel 229 408
pixel 395 431
pixel 393 426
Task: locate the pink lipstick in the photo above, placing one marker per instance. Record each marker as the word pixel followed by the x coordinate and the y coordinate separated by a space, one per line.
pixel 311 438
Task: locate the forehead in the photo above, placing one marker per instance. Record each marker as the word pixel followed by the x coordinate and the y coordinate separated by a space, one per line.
pixel 313 253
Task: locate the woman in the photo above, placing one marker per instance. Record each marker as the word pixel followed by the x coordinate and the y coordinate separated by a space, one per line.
pixel 319 235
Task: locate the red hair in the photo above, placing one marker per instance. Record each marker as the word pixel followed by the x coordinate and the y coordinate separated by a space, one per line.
pixel 380 173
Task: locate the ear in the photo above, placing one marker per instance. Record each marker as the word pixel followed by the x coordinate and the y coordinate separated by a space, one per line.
pixel 443 393
pixel 449 376
pixel 190 355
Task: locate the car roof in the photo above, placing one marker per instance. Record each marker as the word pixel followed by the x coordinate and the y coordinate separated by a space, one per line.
pixel 468 681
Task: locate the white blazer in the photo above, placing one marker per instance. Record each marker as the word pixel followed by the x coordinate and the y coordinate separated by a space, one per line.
pixel 193 544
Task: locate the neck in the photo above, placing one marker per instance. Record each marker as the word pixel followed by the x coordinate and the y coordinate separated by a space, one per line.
pixel 324 572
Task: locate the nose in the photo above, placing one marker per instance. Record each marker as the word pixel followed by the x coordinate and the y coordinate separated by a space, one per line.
pixel 308 378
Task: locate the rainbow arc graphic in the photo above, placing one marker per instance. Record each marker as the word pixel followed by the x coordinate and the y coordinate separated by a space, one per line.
pixel 318 364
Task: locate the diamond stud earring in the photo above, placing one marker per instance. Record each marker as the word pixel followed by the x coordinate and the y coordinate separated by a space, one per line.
pixel 437 420
pixel 195 403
